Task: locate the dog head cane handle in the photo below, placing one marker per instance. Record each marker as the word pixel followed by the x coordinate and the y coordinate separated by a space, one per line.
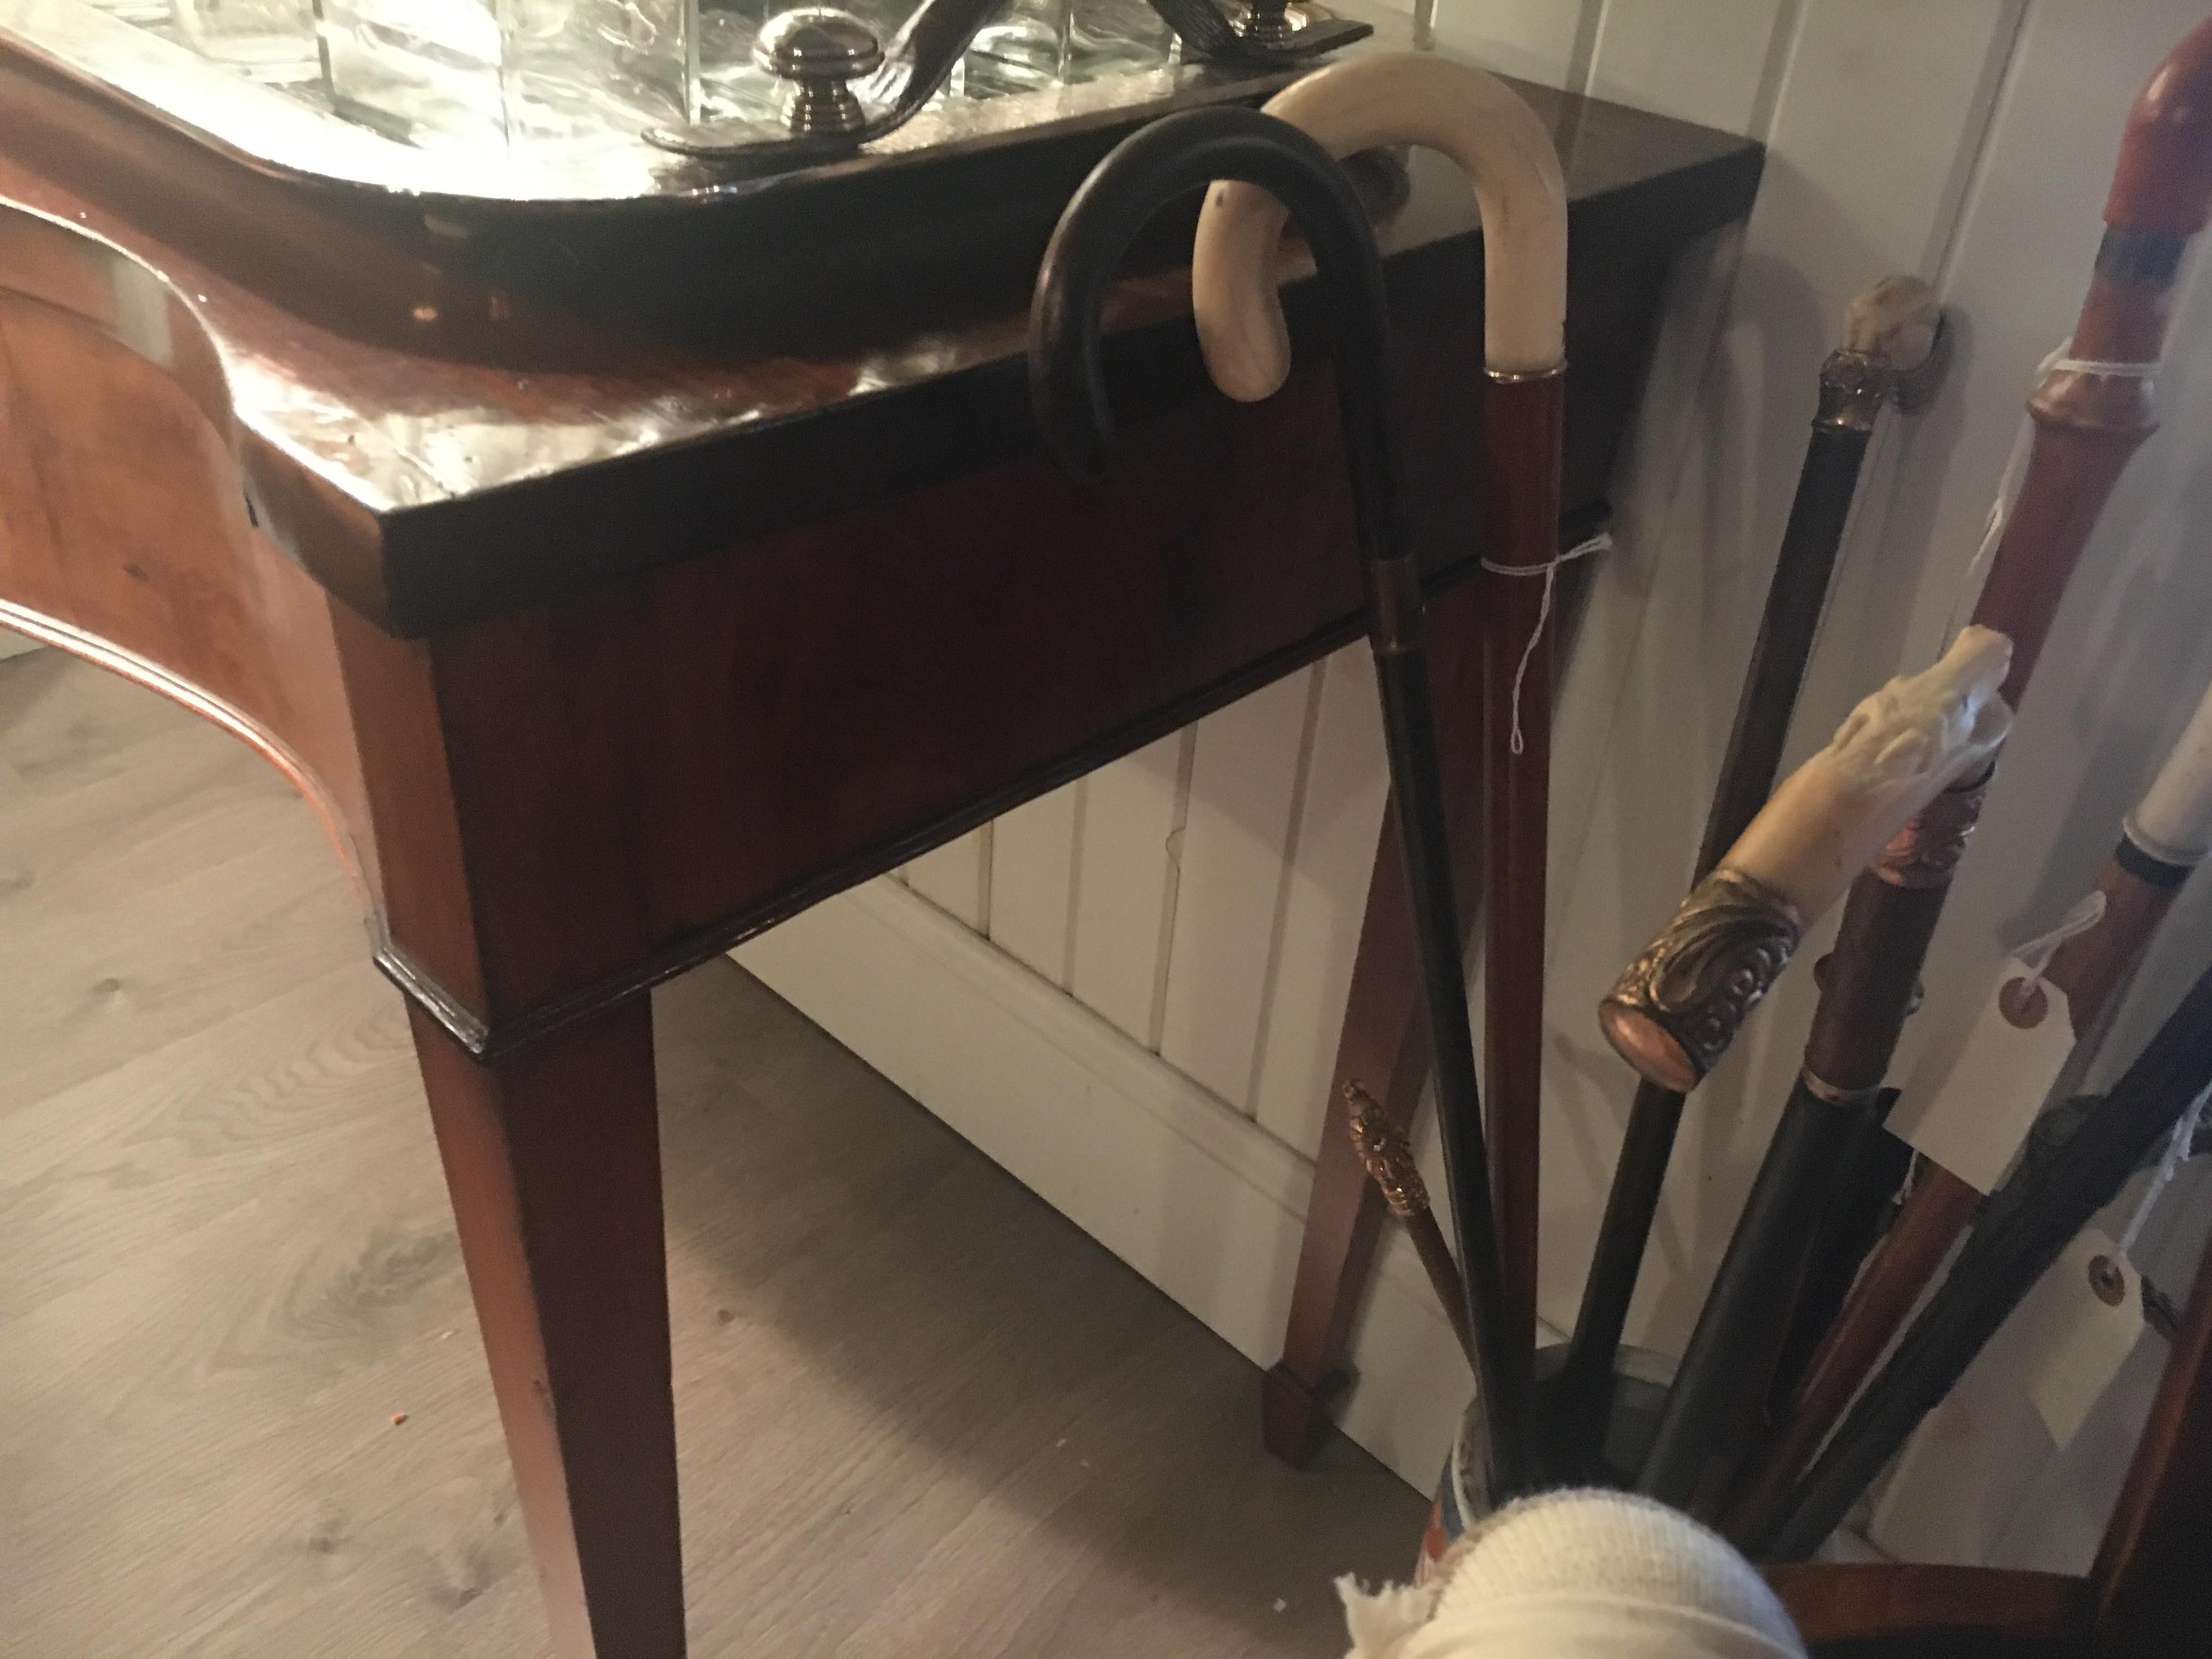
pixel 1397 98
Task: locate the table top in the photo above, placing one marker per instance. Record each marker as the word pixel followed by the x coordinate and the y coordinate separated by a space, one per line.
pixel 440 432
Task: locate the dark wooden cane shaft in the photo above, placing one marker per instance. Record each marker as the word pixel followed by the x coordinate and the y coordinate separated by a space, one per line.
pixel 2151 1572
pixel 1156 166
pixel 1385 1053
pixel 1521 438
pixel 1864 1186
pixel 1385 1050
pixel 1940 1209
pixel 1409 732
pixel 2089 968
pixel 1723 1371
pixel 1442 1269
pixel 2087 425
pixel 1794 595
pixel 1724 1376
pixel 2049 1197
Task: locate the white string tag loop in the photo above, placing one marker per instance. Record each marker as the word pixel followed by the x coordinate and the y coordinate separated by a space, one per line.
pixel 2177 1149
pixel 1549 570
pixel 2058 361
pixel 2036 954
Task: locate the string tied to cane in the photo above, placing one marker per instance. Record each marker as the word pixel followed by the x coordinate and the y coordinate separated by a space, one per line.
pixel 2177 1148
pixel 2060 361
pixel 1549 570
pixel 2035 955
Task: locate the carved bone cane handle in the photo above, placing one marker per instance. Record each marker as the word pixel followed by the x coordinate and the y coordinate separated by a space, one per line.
pixel 1676 1008
pixel 1894 348
pixel 2161 842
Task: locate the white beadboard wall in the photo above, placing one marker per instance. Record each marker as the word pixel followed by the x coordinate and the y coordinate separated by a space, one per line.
pixel 1129 992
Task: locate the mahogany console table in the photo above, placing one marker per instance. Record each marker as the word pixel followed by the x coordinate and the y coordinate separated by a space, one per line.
pixel 612 594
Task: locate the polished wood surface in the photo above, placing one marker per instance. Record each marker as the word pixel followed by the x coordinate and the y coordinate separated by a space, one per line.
pixel 997 667
pixel 2152 1572
pixel 638 724
pixel 2163 182
pixel 443 432
pixel 607 622
pixel 553 1160
pixel 116 542
pixel 1520 439
pixel 1890 1612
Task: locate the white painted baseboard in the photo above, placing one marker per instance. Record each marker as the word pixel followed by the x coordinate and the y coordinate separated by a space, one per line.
pixel 1201 1200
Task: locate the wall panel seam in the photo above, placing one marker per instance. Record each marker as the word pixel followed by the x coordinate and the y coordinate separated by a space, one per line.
pixel 1171 886
pixel 1284 875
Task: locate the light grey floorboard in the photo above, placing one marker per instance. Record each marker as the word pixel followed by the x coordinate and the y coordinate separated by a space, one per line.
pixel 920 1414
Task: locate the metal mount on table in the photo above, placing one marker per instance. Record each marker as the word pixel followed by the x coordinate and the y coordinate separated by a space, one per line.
pixel 848 88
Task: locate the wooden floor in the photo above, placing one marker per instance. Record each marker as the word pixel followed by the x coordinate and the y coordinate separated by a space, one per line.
pixel 921 1413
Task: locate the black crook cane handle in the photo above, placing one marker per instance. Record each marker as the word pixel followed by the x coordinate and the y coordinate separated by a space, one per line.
pixel 1147 170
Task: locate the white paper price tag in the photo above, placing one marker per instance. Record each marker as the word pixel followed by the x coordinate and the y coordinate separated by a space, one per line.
pixel 1972 1119
pixel 2079 1325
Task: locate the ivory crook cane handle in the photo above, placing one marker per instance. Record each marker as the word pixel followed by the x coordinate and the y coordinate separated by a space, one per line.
pixel 1395 98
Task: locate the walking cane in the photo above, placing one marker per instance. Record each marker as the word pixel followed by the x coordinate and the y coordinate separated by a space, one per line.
pixel 2166 836
pixel 1143 172
pixel 1480 123
pixel 2091 411
pixel 1894 349
pixel 2075 1166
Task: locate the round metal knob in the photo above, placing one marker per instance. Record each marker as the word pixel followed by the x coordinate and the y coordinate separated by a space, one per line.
pixel 1267 23
pixel 819 50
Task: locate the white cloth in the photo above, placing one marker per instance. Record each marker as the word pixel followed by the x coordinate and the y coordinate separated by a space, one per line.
pixel 1578 1574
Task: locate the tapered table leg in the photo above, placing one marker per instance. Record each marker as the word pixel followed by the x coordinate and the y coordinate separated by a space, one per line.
pixel 553 1160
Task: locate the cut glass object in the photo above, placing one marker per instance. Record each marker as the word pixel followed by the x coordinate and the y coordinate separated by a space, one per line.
pixel 268 40
pixel 505 72
pixel 1034 44
pixel 494 74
